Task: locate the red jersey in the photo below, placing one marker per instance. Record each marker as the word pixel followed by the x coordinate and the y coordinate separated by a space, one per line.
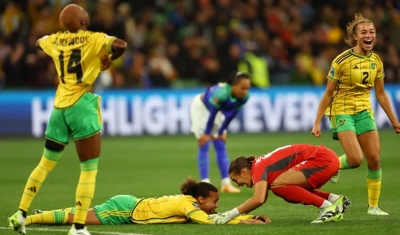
pixel 268 167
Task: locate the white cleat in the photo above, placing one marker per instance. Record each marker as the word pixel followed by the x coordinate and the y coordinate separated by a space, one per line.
pixel 342 203
pixel 328 214
pixel 74 231
pixel 376 211
pixel 17 222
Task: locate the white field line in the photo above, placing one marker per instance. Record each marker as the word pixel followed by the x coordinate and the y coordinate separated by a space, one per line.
pixel 66 231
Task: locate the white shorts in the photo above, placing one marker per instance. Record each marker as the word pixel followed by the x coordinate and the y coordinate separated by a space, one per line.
pixel 199 116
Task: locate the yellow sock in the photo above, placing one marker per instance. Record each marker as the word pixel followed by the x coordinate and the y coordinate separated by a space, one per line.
pixel 374 179
pixel 37 177
pixel 85 190
pixel 48 217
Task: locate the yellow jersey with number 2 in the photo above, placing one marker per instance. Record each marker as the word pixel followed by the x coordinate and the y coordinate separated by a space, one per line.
pixel 77 60
pixel 355 76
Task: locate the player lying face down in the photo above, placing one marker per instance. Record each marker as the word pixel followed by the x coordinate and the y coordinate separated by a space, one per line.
pixel 194 204
pixel 292 172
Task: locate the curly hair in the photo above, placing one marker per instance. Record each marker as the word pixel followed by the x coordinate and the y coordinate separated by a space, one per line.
pixel 196 189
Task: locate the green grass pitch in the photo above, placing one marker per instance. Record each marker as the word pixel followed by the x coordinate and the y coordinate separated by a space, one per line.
pixel 154 166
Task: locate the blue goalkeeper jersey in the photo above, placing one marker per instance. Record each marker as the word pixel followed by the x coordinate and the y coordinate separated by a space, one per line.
pixel 219 98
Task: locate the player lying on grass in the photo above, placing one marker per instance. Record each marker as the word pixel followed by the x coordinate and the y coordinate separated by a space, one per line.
pixel 196 202
pixel 292 172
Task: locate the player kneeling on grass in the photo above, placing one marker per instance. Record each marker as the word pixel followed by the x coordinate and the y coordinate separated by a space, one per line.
pixel 196 202
pixel 292 172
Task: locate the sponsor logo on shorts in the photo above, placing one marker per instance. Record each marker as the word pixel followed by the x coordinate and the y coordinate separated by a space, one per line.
pixel 341 122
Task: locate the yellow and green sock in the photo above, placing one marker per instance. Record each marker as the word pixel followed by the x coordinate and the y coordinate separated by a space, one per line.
pixel 343 164
pixel 49 217
pixel 85 190
pixel 374 180
pixel 39 174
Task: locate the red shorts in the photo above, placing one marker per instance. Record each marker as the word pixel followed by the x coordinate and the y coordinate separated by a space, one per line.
pixel 320 168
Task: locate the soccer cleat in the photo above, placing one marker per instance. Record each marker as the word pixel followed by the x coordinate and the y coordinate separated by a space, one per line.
pixel 74 231
pixel 342 203
pixel 17 222
pixel 376 211
pixel 229 189
pixel 328 214
pixel 37 211
pixel 334 179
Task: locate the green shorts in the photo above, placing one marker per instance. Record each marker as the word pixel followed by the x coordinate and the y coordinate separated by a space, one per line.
pixel 116 210
pixel 359 123
pixel 80 121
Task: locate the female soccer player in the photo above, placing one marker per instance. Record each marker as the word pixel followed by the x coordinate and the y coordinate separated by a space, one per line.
pixel 210 113
pixel 292 172
pixel 196 202
pixel 79 56
pixel 346 102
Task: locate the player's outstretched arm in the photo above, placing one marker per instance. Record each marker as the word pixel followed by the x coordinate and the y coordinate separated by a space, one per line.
pixel 259 198
pixel 260 219
pixel 384 102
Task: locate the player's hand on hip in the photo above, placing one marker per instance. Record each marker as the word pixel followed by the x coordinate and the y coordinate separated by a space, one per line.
pixel 204 139
pixel 396 127
pixel 316 130
pixel 222 137
pixel 105 62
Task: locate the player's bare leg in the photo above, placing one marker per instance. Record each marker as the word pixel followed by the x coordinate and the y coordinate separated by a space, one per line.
pixel 88 151
pixel 353 153
pixel 293 187
pixel 370 145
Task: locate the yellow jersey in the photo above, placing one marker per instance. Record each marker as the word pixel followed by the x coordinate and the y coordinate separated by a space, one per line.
pixel 173 209
pixel 77 60
pixel 355 76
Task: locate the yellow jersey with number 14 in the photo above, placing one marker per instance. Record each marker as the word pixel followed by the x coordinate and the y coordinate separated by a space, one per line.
pixel 355 76
pixel 77 60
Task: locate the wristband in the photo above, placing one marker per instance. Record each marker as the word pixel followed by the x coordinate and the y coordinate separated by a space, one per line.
pixel 234 213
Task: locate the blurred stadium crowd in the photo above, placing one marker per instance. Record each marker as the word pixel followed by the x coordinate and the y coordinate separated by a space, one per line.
pixel 188 43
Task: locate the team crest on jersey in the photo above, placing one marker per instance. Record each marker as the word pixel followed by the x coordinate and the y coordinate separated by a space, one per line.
pixel 341 122
pixel 332 72
pixel 373 65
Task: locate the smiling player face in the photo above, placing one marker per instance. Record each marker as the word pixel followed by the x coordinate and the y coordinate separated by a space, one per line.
pixel 210 203
pixel 242 179
pixel 365 36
